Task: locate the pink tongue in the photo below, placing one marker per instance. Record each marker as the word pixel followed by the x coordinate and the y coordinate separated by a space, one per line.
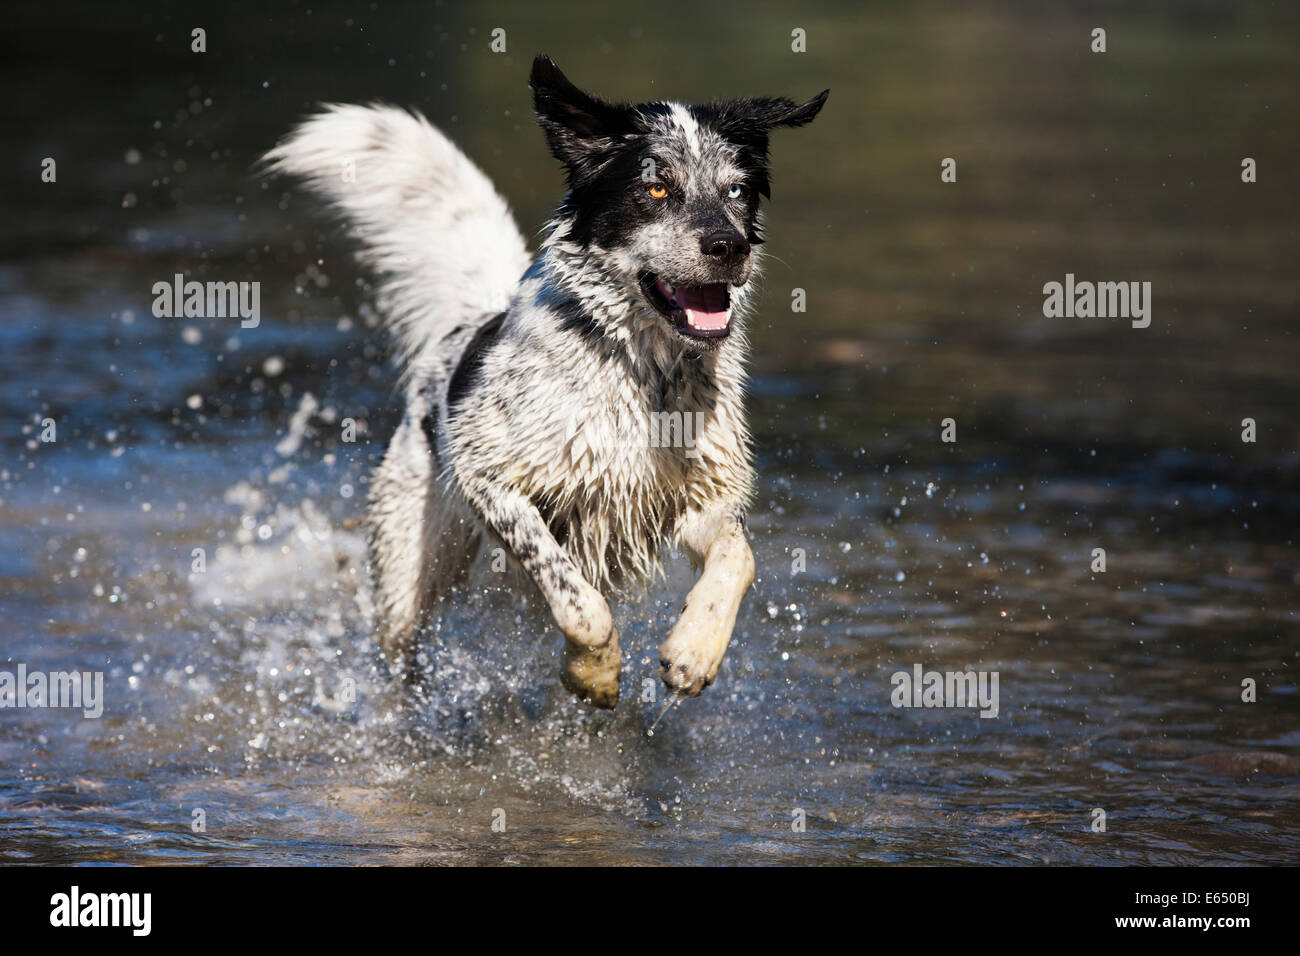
pixel 705 306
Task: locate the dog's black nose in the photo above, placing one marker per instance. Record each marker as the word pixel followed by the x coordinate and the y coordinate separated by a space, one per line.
pixel 724 245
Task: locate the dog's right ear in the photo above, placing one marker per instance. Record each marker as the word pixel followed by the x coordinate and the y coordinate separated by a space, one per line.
pixel 582 130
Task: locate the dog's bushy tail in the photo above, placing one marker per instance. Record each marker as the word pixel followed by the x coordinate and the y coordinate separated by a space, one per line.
pixel 439 238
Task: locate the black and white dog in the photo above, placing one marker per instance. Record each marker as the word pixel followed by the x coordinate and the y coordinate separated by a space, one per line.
pixel 539 390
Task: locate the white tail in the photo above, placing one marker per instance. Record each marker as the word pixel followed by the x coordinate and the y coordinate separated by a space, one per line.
pixel 441 241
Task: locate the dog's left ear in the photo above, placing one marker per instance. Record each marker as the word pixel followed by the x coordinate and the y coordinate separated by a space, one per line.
pixel 746 122
pixel 582 130
pixel 762 115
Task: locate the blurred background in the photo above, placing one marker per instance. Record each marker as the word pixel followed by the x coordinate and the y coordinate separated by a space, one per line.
pixel 1120 690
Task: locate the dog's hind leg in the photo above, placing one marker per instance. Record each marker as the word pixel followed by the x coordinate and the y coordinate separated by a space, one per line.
pixel 420 543
pixel 592 658
pixel 693 652
pixel 399 503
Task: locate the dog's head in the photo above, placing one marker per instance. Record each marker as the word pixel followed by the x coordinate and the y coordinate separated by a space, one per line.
pixel 668 193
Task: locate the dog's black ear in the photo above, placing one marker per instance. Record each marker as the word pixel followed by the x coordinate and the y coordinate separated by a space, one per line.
pixel 746 122
pixel 753 116
pixel 582 130
pixel 805 113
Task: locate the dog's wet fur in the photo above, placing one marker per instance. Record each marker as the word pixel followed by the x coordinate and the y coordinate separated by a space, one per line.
pixel 528 380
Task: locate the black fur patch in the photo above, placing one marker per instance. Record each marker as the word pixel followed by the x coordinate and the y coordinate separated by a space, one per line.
pixel 429 420
pixel 471 360
pixel 574 318
pixel 429 425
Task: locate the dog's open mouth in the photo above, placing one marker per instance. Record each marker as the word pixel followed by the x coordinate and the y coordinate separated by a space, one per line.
pixel 698 312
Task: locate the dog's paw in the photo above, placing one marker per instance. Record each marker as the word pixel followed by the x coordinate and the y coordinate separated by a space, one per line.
pixel 687 667
pixel 592 673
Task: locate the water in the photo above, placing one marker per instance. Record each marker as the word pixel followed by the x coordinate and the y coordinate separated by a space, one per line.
pixel 227 691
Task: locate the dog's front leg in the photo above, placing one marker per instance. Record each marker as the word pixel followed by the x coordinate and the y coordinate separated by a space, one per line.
pixel 592 659
pixel 691 656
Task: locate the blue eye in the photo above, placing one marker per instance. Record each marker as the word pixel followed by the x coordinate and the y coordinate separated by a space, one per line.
pixel 736 191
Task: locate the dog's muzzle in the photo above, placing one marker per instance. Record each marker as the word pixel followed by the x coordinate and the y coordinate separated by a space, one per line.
pixel 696 312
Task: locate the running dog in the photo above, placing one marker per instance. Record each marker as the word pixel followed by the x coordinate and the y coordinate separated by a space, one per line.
pixel 538 389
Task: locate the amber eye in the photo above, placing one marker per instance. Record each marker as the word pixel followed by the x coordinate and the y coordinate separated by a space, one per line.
pixel 658 190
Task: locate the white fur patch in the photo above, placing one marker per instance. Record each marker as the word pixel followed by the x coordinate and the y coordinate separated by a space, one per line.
pixel 689 127
pixel 441 240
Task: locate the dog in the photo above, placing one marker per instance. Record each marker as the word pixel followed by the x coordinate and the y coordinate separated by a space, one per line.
pixel 529 379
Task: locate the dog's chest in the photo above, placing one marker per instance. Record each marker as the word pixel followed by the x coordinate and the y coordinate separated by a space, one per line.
pixel 627 456
pixel 619 446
